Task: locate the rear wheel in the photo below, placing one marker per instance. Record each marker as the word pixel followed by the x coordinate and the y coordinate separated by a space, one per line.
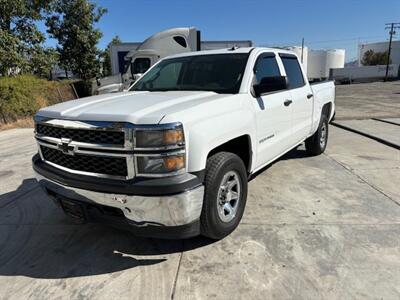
pixel 316 144
pixel 225 195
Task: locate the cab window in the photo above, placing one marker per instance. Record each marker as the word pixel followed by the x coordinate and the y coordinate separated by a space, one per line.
pixel 293 71
pixel 266 66
pixel 181 41
pixel 140 65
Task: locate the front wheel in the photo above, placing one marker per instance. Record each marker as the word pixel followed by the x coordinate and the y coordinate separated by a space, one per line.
pixel 316 144
pixel 225 195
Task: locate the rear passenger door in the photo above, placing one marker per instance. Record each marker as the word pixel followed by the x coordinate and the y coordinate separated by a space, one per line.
pixel 301 95
pixel 273 116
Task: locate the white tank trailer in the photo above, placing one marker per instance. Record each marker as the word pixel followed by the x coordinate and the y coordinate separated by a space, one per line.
pixel 321 61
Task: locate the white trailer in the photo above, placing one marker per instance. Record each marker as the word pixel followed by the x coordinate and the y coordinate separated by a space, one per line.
pixel 364 73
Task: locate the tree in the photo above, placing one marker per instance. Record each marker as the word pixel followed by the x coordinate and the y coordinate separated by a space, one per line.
pixel 43 61
pixel 21 47
pixel 372 58
pixel 72 24
pixel 105 55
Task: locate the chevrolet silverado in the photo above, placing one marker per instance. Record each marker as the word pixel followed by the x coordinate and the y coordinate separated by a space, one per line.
pixel 171 157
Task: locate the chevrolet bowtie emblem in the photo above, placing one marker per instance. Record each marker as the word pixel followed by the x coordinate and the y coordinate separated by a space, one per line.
pixel 65 146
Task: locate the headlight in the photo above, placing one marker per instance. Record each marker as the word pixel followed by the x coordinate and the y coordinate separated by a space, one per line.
pixel 162 150
pixel 160 165
pixel 169 137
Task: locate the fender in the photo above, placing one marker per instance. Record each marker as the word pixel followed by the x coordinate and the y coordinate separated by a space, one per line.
pixel 216 123
pixel 202 141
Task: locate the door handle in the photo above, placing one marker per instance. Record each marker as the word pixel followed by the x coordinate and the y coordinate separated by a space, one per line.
pixel 309 96
pixel 287 102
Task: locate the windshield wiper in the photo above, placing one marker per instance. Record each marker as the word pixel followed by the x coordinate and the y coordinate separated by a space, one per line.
pixel 182 89
pixel 163 90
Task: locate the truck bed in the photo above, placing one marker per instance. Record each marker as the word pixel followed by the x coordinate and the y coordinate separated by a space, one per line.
pixel 324 92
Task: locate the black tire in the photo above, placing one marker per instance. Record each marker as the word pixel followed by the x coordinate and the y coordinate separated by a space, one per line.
pixel 219 166
pixel 314 144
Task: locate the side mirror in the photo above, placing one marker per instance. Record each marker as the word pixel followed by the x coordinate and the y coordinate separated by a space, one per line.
pixel 270 84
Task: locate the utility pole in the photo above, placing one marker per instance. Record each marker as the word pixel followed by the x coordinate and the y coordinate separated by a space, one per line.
pixel 302 49
pixel 392 32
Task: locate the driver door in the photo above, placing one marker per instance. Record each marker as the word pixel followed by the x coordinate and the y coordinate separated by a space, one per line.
pixel 273 113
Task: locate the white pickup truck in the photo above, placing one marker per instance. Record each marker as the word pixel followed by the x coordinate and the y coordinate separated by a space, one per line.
pixel 171 157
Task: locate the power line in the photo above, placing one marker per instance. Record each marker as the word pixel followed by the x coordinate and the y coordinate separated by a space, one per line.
pixel 347 39
pixel 340 41
pixel 392 32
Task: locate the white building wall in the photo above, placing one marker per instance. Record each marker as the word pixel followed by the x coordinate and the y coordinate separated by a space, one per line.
pixel 380 47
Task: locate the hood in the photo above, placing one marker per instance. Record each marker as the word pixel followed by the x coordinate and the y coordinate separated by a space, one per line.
pixel 132 107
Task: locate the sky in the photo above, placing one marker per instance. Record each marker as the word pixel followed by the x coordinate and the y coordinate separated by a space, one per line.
pixel 323 24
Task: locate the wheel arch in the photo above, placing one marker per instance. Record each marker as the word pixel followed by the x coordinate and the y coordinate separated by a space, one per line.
pixel 327 109
pixel 241 146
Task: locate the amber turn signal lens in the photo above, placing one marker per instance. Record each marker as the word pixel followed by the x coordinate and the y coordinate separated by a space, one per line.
pixel 172 137
pixel 174 162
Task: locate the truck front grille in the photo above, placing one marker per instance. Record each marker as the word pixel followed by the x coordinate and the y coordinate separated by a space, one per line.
pixel 91 148
pixel 82 135
pixel 115 166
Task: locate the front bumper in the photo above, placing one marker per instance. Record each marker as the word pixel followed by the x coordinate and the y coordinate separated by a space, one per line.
pixel 174 210
pixel 153 215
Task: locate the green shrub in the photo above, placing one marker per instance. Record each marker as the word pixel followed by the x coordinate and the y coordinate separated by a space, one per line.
pixel 22 96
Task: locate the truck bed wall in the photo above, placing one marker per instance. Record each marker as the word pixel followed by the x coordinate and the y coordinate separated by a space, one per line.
pixel 324 92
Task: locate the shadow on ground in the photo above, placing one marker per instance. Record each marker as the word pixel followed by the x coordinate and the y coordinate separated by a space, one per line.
pixel 38 241
pixel 295 153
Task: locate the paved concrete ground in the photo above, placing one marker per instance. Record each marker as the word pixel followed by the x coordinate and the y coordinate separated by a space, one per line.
pixel 368 100
pixel 395 121
pixel 323 227
pixel 389 132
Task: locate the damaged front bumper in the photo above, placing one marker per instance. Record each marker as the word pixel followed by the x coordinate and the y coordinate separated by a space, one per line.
pixel 166 216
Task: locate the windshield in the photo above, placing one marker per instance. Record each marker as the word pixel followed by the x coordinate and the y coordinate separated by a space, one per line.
pixel 220 73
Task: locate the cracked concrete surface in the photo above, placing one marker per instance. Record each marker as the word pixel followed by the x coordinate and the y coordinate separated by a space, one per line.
pixel 324 227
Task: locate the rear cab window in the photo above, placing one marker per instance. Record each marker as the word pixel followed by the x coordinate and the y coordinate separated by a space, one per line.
pixel 293 70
